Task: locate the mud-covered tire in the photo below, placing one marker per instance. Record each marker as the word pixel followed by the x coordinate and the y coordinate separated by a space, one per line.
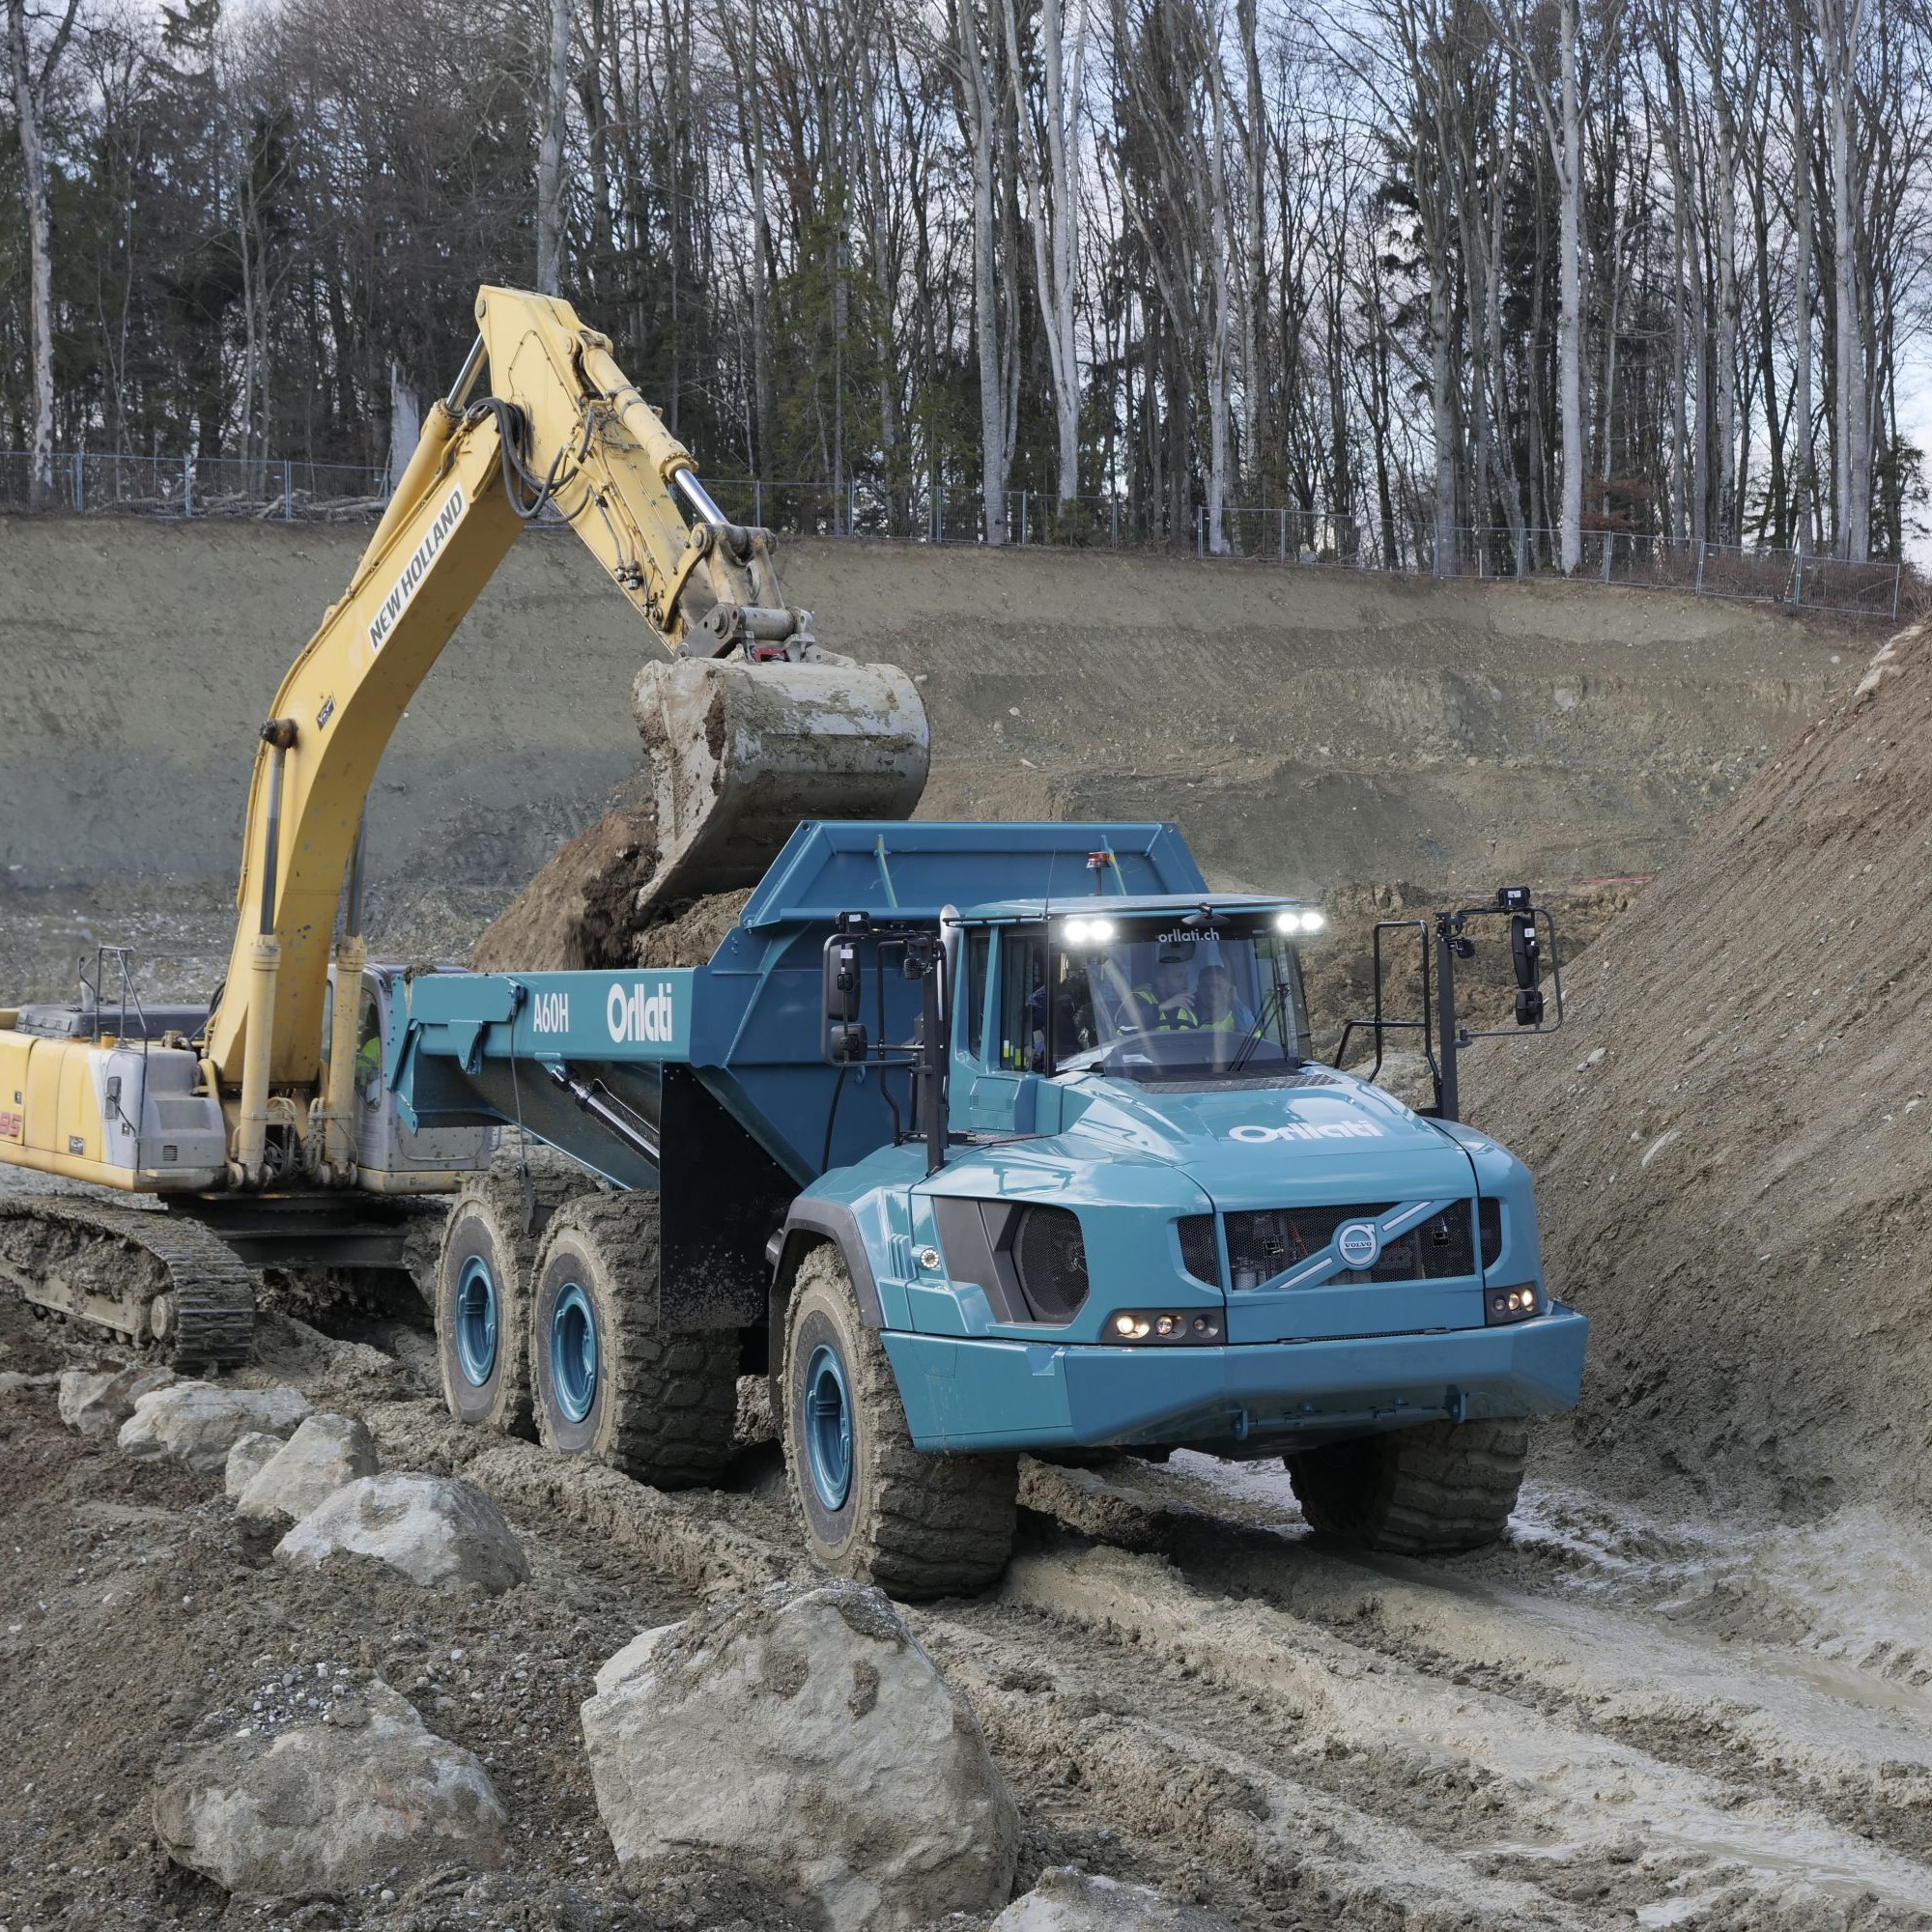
pixel 659 1408
pixel 482 1315
pixel 488 1254
pixel 916 1524
pixel 1424 1491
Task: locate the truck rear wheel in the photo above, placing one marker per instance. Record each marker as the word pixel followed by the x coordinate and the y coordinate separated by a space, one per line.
pixel 480 1288
pixel 1422 1491
pixel 874 1507
pixel 482 1313
pixel 608 1385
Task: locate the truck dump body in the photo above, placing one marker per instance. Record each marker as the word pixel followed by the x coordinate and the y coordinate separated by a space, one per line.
pixel 1297 1257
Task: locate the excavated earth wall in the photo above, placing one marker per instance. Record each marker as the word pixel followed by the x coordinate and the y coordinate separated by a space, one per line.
pixel 1311 730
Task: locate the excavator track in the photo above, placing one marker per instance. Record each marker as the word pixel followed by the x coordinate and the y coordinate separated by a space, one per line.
pixel 153 1279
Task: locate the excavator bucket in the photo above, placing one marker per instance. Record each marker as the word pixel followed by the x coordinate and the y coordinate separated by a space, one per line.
pixel 741 752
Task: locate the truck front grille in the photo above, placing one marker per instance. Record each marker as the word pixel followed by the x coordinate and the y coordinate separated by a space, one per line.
pixel 1263 1244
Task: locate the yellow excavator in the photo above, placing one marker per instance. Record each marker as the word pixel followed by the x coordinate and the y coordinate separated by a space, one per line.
pixel 253 1119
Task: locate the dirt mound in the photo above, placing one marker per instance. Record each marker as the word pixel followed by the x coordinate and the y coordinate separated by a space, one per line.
pixel 1732 1140
pixel 580 910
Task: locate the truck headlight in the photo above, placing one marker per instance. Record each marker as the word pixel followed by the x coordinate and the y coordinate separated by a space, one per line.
pixel 1169 1326
pixel 1519 1303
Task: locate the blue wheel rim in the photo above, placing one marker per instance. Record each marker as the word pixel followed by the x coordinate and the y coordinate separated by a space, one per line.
pixel 573 1352
pixel 828 1427
pixel 476 1322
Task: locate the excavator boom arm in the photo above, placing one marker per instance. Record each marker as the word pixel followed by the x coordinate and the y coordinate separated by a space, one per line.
pixel 561 426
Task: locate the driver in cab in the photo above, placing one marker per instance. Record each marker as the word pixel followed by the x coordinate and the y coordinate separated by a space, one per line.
pixel 1164 1003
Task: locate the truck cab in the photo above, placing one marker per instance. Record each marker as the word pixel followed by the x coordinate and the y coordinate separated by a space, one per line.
pixel 1160 1220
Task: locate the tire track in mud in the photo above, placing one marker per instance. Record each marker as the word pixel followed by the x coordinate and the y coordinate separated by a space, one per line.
pixel 1321 1742
pixel 1860 1752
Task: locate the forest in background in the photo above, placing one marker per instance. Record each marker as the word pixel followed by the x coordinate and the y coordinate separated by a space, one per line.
pixel 1407 269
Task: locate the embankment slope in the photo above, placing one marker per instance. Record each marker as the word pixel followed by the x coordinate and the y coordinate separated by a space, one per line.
pixel 1311 730
pixel 1733 1135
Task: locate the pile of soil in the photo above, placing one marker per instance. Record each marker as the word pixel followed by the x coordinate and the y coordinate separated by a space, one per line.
pixel 584 909
pixel 1732 1139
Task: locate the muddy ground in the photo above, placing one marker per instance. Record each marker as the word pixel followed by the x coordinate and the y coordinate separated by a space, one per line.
pixel 1613 1719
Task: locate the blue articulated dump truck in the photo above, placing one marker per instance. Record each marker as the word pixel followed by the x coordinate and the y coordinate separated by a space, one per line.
pixel 981 1139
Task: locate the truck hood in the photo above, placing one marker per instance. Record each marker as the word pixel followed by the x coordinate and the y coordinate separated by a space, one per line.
pixel 1319 1136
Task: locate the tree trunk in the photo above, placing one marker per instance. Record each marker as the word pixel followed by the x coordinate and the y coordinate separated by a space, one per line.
pixel 977 120
pixel 1570 325
pixel 1839 24
pixel 550 158
pixel 40 251
pixel 1804 455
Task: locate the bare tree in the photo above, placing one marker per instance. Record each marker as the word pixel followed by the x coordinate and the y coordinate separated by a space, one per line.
pixel 1839 24
pixel 550 198
pixel 31 79
pixel 1052 180
pixel 980 119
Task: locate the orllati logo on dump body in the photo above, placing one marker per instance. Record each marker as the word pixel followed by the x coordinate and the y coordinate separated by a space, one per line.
pixel 639 1014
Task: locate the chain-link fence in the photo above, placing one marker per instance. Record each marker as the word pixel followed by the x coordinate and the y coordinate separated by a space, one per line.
pixel 261 487
pixel 274 488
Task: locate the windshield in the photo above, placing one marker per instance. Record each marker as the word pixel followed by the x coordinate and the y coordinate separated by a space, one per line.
pixel 1155 999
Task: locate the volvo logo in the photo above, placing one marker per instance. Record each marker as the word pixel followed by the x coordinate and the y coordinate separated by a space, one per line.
pixel 1360 1243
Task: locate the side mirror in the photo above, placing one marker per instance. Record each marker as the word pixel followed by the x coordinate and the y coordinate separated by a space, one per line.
pixel 844 976
pixel 1526 956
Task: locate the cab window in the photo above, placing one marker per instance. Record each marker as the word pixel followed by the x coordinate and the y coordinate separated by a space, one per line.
pixel 1023 1000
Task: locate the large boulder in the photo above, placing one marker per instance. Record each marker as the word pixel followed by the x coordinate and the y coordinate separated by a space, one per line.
pixel 247 1460
pixel 803 1738
pixel 97 1402
pixel 435 1530
pixel 1067 1899
pixel 324 1454
pixel 197 1424
pixel 370 1796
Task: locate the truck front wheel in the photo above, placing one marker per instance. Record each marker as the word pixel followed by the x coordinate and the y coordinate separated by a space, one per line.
pixel 608 1385
pixel 874 1507
pixel 1424 1491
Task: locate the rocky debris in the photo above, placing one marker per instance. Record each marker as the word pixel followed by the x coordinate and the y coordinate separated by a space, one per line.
pixel 324 1454
pixel 436 1530
pixel 371 1795
pixel 98 1402
pixel 197 1424
pixel 13 1381
pixel 248 1459
pixel 1067 1899
pixel 802 1738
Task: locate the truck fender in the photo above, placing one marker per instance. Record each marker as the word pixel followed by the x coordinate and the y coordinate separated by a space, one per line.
pixel 833 1222
pixel 809 1223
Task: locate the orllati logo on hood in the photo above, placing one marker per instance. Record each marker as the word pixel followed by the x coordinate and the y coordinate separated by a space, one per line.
pixel 1253 1133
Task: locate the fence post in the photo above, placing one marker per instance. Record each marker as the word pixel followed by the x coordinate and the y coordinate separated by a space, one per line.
pixel 1284 533
pixel 187 486
pixel 1114 518
pixel 1798 573
pixel 1897 572
pixel 852 507
pixel 1701 548
pixel 287 491
pixel 1610 551
pixel 758 501
pixel 939 511
pixel 1023 519
pixel 80 488
pixel 1200 529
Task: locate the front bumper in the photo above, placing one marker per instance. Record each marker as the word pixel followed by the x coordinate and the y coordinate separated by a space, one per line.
pixel 977 1394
